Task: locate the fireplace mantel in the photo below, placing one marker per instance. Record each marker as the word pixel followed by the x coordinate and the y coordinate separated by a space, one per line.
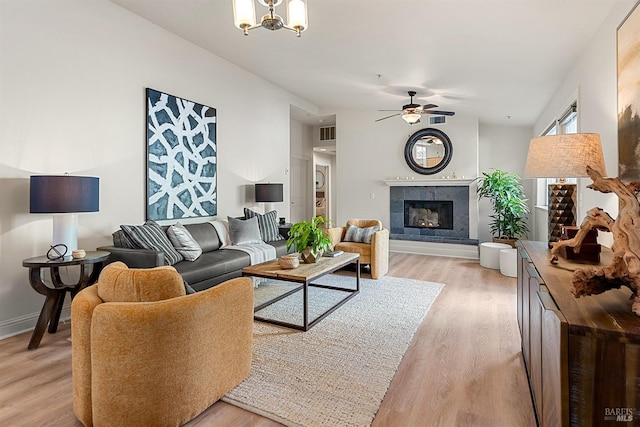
pixel 424 182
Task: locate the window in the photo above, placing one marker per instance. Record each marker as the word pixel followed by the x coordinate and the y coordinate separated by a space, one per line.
pixel 566 123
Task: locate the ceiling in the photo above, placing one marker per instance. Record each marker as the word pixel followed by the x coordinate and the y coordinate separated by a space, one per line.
pixel 498 60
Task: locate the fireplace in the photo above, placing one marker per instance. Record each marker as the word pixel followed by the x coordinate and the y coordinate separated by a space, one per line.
pixel 436 214
pixel 433 213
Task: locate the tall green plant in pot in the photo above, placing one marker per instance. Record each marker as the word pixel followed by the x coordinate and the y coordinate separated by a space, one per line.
pixel 504 191
pixel 309 239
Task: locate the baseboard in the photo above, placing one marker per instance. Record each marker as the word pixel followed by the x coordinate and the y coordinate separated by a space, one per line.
pixel 436 249
pixel 26 323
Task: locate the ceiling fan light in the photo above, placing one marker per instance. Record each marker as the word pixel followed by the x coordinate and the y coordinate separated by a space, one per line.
pixel 411 118
pixel 297 15
pixel 244 14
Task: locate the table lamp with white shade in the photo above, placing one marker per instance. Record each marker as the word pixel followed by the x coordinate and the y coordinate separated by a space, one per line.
pixel 563 156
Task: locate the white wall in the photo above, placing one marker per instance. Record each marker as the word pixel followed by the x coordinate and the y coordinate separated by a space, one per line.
pixel 503 147
pixel 72 99
pixel 594 76
pixel 369 152
pixel 301 141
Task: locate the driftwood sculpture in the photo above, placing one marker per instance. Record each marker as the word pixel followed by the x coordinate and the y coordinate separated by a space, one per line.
pixel 624 270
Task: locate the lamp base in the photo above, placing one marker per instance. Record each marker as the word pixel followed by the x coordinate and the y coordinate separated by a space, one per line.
pixel 562 208
pixel 65 231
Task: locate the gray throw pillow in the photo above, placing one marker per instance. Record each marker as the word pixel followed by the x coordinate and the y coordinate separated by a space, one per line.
pixel 268 224
pixel 150 236
pixel 359 235
pixel 244 231
pixel 184 242
pixel 119 239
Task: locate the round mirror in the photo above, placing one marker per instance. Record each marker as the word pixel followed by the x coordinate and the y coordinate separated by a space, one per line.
pixel 319 180
pixel 428 151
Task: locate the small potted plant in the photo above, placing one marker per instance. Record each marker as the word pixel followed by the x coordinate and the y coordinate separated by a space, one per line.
pixel 504 190
pixel 309 239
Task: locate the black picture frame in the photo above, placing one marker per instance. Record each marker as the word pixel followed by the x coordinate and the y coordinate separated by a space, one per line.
pixel 418 136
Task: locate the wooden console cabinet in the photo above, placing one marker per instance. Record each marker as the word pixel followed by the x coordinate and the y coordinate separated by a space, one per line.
pixel 582 355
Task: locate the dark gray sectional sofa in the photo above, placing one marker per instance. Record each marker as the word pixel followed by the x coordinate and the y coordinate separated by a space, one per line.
pixel 214 266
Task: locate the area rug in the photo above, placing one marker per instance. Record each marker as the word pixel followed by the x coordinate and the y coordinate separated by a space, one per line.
pixel 338 372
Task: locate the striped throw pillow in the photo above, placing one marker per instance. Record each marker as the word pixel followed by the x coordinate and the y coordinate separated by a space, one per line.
pixel 268 224
pixel 360 235
pixel 150 236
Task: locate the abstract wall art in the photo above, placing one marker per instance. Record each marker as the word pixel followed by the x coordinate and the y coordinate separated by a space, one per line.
pixel 629 97
pixel 181 158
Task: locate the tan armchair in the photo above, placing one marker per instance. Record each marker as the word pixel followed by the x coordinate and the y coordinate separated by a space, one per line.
pixel 162 358
pixel 375 254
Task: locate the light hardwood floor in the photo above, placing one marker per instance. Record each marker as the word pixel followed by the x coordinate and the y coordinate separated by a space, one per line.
pixel 463 367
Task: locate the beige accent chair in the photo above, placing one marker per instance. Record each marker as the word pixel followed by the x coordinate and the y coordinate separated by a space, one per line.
pixel 146 354
pixel 375 254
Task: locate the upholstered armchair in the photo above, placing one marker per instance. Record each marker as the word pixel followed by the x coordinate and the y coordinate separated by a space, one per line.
pixel 146 354
pixel 375 253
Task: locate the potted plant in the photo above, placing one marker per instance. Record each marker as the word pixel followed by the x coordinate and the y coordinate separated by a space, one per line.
pixel 504 190
pixel 309 239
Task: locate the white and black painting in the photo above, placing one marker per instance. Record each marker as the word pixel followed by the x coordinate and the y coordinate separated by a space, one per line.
pixel 181 158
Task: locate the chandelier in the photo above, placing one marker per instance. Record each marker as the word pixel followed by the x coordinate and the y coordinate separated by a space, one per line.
pixel 244 15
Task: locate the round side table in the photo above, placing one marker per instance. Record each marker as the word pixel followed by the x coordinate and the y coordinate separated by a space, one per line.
pixel 284 229
pixel 509 262
pixel 490 254
pixel 50 313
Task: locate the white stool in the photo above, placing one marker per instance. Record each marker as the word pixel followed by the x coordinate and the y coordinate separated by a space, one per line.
pixel 490 254
pixel 509 262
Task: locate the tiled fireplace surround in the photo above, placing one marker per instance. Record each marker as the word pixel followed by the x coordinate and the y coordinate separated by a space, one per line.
pixel 458 194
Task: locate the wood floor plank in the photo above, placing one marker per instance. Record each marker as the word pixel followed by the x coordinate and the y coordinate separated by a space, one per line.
pixel 463 366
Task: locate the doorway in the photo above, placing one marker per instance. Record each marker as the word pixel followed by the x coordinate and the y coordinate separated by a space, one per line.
pixel 299 189
pixel 323 193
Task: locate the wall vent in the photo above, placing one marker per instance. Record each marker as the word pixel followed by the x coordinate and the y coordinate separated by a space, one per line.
pixel 437 120
pixel 328 133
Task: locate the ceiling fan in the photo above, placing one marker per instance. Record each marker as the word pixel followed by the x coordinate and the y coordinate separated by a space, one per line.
pixel 411 112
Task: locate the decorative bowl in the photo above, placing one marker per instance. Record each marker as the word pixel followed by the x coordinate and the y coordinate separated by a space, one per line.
pixel 289 261
pixel 78 253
